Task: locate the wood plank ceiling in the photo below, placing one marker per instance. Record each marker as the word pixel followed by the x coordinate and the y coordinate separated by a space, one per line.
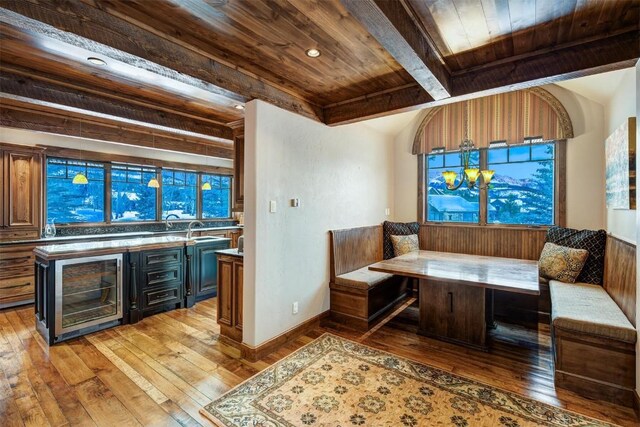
pixel 178 72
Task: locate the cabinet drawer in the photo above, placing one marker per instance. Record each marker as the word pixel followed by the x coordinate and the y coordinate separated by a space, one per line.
pixel 164 277
pixel 14 264
pixel 17 289
pixel 161 296
pixel 13 234
pixel 160 258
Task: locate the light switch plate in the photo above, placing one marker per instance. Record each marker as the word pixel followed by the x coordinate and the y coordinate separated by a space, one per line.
pixel 272 206
pixel 387 211
pixel 295 203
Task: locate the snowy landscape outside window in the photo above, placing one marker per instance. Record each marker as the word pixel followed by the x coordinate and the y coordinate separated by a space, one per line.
pixel 216 202
pixel 73 203
pixel 179 193
pixel 461 205
pixel 522 191
pixel 131 197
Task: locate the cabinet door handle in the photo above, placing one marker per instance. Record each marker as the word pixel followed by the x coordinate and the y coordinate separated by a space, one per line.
pixel 450 294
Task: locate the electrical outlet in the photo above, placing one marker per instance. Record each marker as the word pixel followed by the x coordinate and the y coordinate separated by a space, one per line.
pixel 387 211
pixel 273 207
pixel 294 309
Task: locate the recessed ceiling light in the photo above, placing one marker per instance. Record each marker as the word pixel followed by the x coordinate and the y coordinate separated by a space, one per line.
pixel 239 107
pixel 312 53
pixel 96 61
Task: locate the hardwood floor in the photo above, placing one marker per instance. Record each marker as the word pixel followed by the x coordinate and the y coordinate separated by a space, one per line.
pixel 163 369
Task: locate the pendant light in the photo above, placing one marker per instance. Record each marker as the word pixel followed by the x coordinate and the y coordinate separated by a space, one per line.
pixel 153 182
pixel 206 186
pixel 80 178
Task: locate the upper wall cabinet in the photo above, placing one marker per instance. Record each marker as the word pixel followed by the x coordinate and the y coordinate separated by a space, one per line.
pixel 238 170
pixel 21 190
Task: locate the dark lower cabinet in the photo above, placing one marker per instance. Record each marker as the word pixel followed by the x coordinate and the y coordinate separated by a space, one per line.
pixel 157 281
pixel 206 267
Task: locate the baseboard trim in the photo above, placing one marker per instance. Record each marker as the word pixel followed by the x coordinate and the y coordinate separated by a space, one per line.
pixel 636 403
pixel 253 354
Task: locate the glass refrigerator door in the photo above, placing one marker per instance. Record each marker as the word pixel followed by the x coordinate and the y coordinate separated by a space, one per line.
pixel 89 292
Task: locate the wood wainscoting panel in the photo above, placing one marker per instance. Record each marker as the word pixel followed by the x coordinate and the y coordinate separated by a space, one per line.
pixel 511 242
pixel 354 248
pixel 620 275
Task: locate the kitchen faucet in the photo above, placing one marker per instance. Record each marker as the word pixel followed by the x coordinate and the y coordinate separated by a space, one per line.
pixel 168 224
pixel 191 224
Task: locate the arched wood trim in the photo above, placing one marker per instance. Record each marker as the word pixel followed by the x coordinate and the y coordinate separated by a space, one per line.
pixel 565 127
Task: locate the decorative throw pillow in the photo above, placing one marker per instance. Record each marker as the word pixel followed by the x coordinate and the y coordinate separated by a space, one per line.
pixel 561 263
pixel 396 229
pixel 590 240
pixel 405 244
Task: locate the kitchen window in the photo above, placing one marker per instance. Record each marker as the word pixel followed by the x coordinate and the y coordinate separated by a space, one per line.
pixel 216 196
pixel 179 194
pixel 131 197
pixel 75 203
pixel 523 191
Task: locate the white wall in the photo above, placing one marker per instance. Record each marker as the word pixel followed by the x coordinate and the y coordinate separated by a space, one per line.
pixel 343 177
pixel 585 164
pixel 621 105
pixel 31 138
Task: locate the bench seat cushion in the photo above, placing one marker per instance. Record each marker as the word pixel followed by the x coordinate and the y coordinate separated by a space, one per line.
pixel 588 309
pixel 362 278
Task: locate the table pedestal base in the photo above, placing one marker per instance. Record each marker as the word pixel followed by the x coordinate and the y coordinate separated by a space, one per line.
pixel 454 312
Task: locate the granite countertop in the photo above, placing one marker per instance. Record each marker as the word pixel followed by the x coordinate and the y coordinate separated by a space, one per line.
pixel 117 235
pixel 119 245
pixel 232 252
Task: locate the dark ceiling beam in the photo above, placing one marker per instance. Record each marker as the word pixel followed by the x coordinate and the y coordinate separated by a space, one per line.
pixel 543 67
pixel 390 22
pixel 82 26
pixel 21 114
pixel 93 104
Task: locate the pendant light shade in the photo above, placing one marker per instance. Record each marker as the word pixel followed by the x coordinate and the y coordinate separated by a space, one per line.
pixel 153 183
pixel 80 178
pixel 206 186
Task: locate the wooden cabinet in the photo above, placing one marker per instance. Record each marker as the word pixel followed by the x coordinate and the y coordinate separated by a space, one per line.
pixel 234 235
pixel 21 192
pixel 453 312
pixel 230 294
pixel 16 275
pixel 238 171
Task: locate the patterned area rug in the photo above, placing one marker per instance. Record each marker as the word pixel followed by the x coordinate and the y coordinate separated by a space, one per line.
pixel 336 382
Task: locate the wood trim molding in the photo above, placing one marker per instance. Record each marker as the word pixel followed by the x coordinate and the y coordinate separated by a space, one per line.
pixel 256 353
pixel 70 153
pixel 26 117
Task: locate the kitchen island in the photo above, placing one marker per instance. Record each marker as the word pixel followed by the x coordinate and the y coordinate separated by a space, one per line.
pixel 83 287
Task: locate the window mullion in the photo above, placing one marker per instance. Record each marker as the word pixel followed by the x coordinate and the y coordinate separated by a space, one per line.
pixel 484 196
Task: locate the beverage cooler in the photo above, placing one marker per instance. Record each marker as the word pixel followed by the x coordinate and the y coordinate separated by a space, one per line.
pixel 88 292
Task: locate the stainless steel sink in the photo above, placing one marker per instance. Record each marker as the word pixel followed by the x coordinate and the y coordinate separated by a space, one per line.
pixel 205 239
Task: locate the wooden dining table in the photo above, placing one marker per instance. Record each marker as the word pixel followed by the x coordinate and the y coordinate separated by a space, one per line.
pixel 456 290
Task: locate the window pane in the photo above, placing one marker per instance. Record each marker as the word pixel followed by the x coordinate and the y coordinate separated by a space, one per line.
pixel 131 198
pixel 216 203
pixel 522 193
pixel 178 198
pixel 498 155
pixel 542 151
pixel 191 178
pixel 444 205
pixel 167 177
pixel 452 159
pixel 435 160
pixel 68 202
pixel 519 153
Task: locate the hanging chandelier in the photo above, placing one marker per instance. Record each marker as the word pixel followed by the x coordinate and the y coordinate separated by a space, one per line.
pixel 467 174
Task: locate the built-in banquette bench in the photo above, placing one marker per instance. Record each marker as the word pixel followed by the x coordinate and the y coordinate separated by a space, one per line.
pixel 360 296
pixel 594 331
